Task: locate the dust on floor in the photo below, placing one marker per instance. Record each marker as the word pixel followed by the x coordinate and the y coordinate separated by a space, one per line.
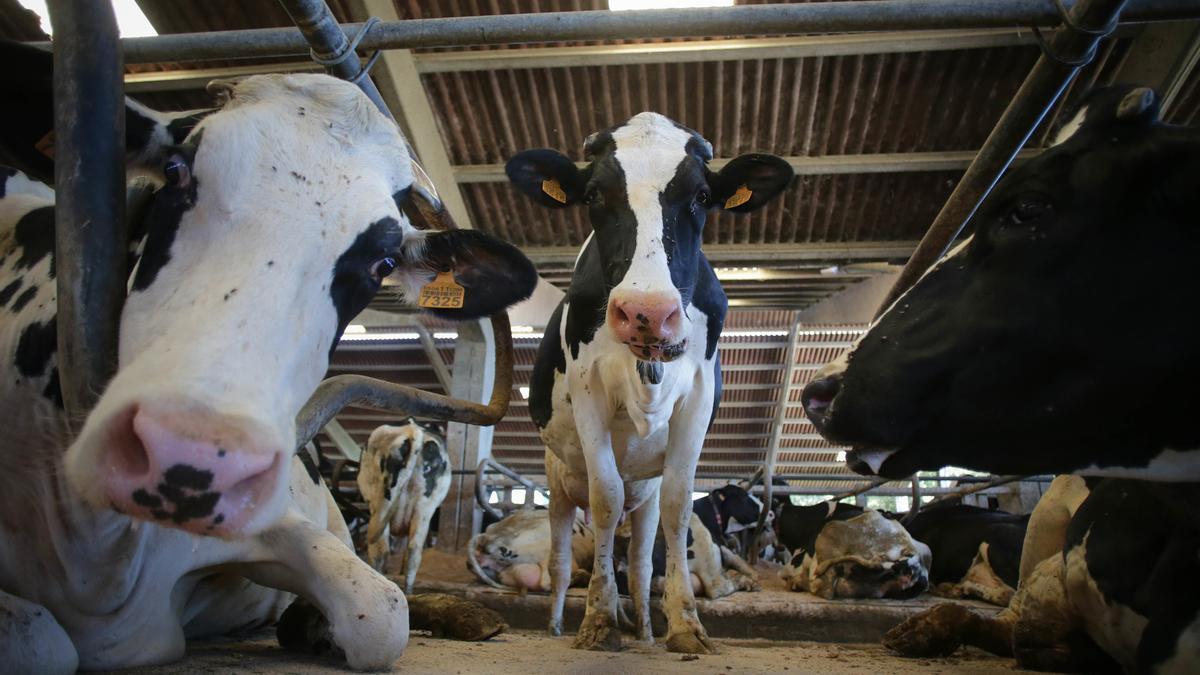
pixel 524 652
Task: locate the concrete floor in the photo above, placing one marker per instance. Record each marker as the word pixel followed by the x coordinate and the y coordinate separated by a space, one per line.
pixel 803 634
pixel 528 653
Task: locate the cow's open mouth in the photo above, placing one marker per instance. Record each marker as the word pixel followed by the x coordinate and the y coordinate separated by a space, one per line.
pixel 868 461
pixel 658 352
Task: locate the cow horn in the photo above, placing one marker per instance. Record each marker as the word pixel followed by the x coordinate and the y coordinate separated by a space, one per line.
pixel 474 564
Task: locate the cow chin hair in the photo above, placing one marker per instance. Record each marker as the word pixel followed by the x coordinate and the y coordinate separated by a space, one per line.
pixel 39 453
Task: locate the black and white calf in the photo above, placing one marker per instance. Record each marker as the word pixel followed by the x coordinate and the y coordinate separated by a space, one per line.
pixel 627 378
pixel 976 552
pixel 278 219
pixel 844 551
pixel 404 475
pixel 1007 354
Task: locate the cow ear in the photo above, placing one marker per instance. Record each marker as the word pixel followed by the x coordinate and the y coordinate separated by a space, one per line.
pixel 749 181
pixel 547 176
pixel 27 135
pixel 474 274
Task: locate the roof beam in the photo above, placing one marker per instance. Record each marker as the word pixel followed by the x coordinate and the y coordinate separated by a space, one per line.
pixel 722 50
pixel 954 160
pixel 396 76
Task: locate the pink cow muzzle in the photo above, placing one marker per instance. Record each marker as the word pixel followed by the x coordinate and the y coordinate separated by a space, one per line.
pixel 650 324
pixel 192 469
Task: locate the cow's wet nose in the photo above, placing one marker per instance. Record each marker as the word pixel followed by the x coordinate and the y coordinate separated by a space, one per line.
pixel 646 318
pixel 817 397
pixel 199 471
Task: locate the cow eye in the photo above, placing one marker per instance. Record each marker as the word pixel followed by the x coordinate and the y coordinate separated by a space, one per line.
pixel 382 268
pixel 177 172
pixel 1028 210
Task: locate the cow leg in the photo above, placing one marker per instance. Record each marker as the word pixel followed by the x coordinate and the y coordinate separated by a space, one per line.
pixel 643 524
pixel 600 629
pixel 562 519
pixel 32 640
pixel 367 613
pixel 684 631
pixel 417 534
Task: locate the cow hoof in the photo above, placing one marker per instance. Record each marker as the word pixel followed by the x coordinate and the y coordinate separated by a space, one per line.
pixel 555 628
pixel 690 642
pixel 937 631
pixel 598 633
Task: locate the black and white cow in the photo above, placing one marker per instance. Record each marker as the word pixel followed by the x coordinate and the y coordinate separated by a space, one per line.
pixel 845 551
pixel 404 475
pixel 278 219
pixel 1039 344
pixel 976 552
pixel 627 378
pixel 727 511
pixel 1110 580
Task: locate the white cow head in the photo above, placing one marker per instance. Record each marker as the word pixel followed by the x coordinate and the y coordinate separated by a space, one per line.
pixel 280 218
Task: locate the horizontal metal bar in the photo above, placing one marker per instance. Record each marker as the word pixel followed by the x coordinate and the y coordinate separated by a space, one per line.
pixel 774 19
pixel 826 165
pixel 719 254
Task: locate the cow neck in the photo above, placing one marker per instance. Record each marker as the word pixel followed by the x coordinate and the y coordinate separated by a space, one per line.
pixel 717 514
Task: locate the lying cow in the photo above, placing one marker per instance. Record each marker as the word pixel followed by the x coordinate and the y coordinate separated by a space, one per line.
pixel 179 511
pixel 844 551
pixel 1108 581
pixel 1002 356
pixel 727 512
pixel 976 552
pixel 404 475
pixel 515 552
pixel 627 378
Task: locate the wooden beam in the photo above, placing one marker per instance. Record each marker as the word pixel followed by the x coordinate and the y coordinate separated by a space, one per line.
pixel 398 80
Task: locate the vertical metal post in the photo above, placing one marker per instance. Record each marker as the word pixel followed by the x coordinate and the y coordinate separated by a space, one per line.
pixel 768 471
pixel 331 46
pixel 1037 95
pixel 89 173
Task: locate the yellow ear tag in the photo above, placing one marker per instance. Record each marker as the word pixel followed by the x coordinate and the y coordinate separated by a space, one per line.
pixel 442 293
pixel 552 188
pixel 45 144
pixel 738 198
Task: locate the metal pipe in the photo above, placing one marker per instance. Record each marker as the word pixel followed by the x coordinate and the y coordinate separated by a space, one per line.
pixel 768 469
pixel 994 482
pixel 775 19
pixel 340 391
pixel 1036 97
pixel 89 173
pixel 331 46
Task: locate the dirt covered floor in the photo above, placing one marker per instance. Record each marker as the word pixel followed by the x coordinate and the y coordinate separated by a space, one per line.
pixel 840 629
pixel 525 652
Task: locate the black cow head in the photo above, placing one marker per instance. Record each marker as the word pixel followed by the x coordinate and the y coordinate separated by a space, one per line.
pixel 1059 336
pixel 648 189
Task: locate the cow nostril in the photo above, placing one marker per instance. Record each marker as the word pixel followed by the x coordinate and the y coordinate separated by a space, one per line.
pixel 819 394
pixel 620 314
pixel 126 451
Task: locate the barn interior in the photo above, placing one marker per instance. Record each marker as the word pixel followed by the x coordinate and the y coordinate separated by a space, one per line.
pixel 879 128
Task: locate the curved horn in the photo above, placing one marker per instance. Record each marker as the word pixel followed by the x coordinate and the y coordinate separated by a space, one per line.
pixel 480 495
pixel 474 564
pixel 337 392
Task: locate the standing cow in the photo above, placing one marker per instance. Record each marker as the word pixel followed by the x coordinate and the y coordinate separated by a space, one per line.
pixel 278 218
pixel 627 378
pixel 404 475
